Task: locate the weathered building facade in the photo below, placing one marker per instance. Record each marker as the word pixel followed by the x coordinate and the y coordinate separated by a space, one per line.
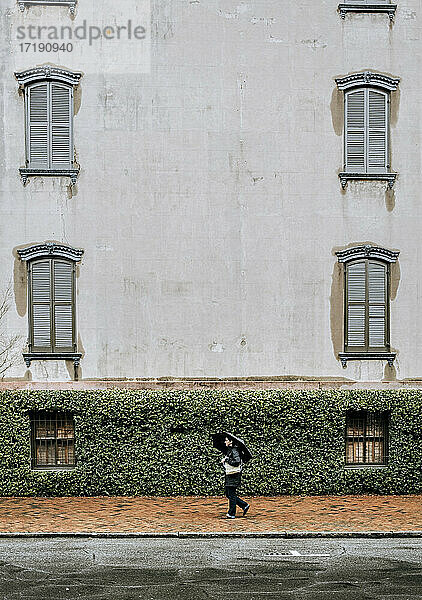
pixel 245 205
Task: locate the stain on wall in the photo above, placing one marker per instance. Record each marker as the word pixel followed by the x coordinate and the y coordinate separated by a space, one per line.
pixel 394 106
pixel 390 373
pixel 77 99
pixel 71 191
pixel 81 348
pixel 337 110
pixel 390 200
pixel 20 282
pixel 337 308
pixel 74 374
pixel 394 279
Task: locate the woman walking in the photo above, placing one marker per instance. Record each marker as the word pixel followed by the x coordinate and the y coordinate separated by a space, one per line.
pixel 233 467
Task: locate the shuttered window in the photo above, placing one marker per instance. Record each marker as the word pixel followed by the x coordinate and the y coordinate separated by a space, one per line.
pixel 49 116
pixel 367 309
pixel 366 131
pixel 52 299
pixel 366 438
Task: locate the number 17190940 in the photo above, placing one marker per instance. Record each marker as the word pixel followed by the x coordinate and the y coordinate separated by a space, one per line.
pixel 45 47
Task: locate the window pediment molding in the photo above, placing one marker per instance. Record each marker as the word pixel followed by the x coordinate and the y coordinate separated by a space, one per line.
pixel 48 72
pixel 50 250
pixel 367 251
pixel 367 78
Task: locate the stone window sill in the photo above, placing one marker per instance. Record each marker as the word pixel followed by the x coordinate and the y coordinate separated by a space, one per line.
pixel 74 356
pixel 345 356
pixel 70 3
pixel 346 176
pixel 53 469
pixel 27 173
pixel 364 467
pixel 347 7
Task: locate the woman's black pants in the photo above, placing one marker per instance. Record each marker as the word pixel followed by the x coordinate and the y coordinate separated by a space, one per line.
pixel 234 500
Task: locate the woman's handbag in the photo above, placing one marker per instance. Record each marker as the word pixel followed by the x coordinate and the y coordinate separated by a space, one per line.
pixel 232 470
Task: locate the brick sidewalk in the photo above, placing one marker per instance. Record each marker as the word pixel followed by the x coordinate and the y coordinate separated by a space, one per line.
pixel 194 514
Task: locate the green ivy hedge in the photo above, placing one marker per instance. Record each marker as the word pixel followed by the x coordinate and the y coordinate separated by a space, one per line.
pixel 158 442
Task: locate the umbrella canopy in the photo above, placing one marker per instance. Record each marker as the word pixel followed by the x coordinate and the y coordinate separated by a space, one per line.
pixel 218 442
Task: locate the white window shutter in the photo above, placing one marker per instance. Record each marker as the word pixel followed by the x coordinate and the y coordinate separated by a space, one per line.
pixel 356 297
pixel 377 278
pixel 38 125
pixel 41 305
pixel 61 126
pixel 377 131
pixel 355 131
pixel 63 305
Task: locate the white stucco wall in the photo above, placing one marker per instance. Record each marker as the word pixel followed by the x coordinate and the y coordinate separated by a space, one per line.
pixel 208 203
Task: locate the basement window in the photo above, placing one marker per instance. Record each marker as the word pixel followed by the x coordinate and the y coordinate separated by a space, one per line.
pixel 52 440
pixel 366 438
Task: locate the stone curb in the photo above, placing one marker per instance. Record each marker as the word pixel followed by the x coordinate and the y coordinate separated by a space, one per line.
pixel 220 534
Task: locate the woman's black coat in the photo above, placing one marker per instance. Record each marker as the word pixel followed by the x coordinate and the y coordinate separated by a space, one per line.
pixel 233 459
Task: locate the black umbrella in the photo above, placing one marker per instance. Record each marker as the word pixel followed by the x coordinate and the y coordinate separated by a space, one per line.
pixel 218 442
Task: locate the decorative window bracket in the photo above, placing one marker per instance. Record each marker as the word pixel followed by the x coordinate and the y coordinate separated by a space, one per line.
pixel 347 7
pixel 345 356
pixel 390 178
pixel 74 356
pixel 70 3
pixel 27 173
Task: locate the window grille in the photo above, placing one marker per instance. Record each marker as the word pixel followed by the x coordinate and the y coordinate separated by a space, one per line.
pixel 366 438
pixel 53 440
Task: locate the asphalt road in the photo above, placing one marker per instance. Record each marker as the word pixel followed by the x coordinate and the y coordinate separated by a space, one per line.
pixel 227 569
